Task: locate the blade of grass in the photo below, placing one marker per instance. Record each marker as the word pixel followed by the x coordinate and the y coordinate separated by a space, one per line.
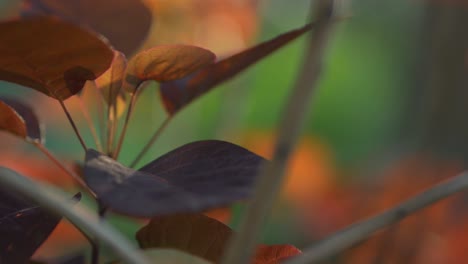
pixel 150 143
pixel 49 199
pixel 358 232
pixel 90 122
pixel 242 245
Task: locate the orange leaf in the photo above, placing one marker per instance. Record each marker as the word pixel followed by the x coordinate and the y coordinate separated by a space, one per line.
pixel 167 62
pixel 11 121
pixel 110 82
pixel 222 214
pixel 179 93
pixel 51 56
pixel 274 254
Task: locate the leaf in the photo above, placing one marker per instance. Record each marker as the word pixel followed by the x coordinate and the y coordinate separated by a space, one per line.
pixel 204 237
pixel 196 234
pixel 170 256
pixel 167 62
pixel 23 227
pixel 192 178
pixel 126 23
pixel 11 121
pixel 110 82
pixel 34 129
pixel 177 94
pixel 51 56
pixel 274 254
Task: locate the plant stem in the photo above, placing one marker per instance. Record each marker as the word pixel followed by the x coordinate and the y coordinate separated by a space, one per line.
pixel 270 178
pixel 59 164
pixel 49 199
pixel 153 139
pixel 90 123
pixel 72 123
pixel 358 232
pixel 95 247
pixel 127 119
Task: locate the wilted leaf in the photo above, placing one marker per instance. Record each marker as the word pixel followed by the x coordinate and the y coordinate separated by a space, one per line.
pixel 193 233
pixel 34 129
pixel 192 178
pixel 167 62
pixel 110 82
pixel 274 254
pixel 51 56
pixel 23 227
pixel 11 121
pixel 125 23
pixel 177 94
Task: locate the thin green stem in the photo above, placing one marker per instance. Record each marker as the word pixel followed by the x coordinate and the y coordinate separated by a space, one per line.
pixel 72 123
pixel 90 123
pixel 242 245
pixel 358 232
pixel 125 125
pixel 150 143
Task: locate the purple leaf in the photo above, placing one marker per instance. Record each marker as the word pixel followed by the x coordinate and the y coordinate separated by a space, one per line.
pixel 23 227
pixel 192 178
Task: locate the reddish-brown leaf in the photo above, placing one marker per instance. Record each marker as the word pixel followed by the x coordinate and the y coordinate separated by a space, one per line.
pixel 202 236
pixel 193 233
pixel 177 94
pixel 11 121
pixel 34 128
pixel 51 56
pixel 274 254
pixel 125 23
pixel 167 62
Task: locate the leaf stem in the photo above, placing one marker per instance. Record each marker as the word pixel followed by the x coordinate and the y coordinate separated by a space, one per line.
pixel 50 199
pixel 72 123
pixel 360 231
pixel 125 126
pixel 90 123
pixel 153 139
pixel 241 245
pixel 59 164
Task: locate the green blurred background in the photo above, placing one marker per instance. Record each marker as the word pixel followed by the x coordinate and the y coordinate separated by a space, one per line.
pixel 394 83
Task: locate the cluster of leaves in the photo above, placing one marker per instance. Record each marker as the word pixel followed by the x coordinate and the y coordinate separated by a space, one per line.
pixel 57 50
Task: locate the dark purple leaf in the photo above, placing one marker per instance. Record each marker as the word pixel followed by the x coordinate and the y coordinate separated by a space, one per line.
pixel 23 227
pixel 34 129
pixel 192 178
pixel 177 94
pixel 126 23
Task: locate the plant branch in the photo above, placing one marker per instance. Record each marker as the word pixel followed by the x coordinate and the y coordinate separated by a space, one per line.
pixel 125 126
pixel 358 232
pixel 153 139
pixel 270 178
pixel 90 123
pixel 72 123
pixel 78 215
pixel 59 164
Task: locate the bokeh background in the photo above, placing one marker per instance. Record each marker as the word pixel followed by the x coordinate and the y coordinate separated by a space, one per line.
pixel 388 120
